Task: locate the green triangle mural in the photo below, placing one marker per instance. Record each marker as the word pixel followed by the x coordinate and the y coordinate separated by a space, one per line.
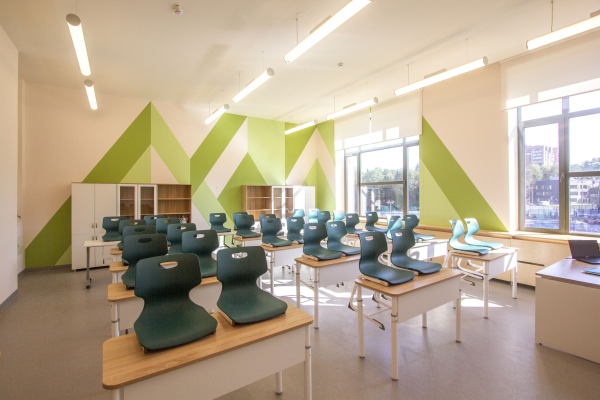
pixel 168 148
pixel 325 199
pixel 140 172
pixel 206 202
pixel 326 131
pixel 435 207
pixel 460 191
pixel 266 146
pixel 294 145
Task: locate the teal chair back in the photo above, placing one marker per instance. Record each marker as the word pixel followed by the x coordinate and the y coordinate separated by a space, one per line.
pixel 338 215
pixel 151 219
pixel 402 241
pixel 241 299
pixel 138 247
pixel 336 230
pixel 298 213
pixel 265 216
pixel 372 245
pixel 244 226
pixel 395 222
pixel 323 217
pixel 202 244
pixel 217 220
pixel 313 215
pixel 294 227
pixel 111 226
pixel 129 222
pixel 313 235
pixel 136 230
pixel 270 227
pixel 235 214
pixel 411 222
pixel 472 229
pixel 351 221
pixel 458 230
pixel 169 318
pixel 372 218
pixel 174 234
pixel 162 224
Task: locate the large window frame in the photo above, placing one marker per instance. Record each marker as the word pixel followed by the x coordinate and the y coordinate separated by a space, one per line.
pixel 405 144
pixel 563 121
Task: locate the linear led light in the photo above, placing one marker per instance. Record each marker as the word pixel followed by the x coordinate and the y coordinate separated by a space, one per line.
pixel 564 33
pixel 353 108
pixel 326 28
pixel 482 62
pixel 300 127
pixel 89 88
pixel 79 42
pixel 254 84
pixel 217 114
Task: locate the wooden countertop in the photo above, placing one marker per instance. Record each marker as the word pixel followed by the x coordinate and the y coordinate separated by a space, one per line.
pixel 116 251
pixel 293 246
pixel 124 361
pixel 417 283
pixel 492 255
pixel 320 264
pixel 571 271
pixel 118 292
pixel 241 239
pixel 117 266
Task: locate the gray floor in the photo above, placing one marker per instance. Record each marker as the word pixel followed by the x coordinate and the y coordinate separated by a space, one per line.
pixel 51 338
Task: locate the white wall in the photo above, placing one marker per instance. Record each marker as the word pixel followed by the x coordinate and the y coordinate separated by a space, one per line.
pixel 9 88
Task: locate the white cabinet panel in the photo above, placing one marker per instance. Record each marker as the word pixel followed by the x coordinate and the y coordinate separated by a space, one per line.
pixel 78 254
pixel 105 199
pixel 82 208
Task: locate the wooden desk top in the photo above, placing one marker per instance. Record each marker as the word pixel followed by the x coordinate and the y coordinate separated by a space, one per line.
pixel 492 255
pixel 241 239
pixel 117 266
pixel 571 271
pixel 116 251
pixel 419 282
pixel 232 232
pixel 99 243
pixel 124 361
pixel 293 246
pixel 320 264
pixel 118 292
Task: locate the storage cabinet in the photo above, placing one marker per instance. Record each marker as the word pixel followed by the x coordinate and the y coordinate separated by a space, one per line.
pixel 175 201
pixel 278 200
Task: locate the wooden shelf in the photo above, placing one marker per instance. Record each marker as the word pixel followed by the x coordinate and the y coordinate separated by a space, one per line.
pixel 178 198
pixel 174 199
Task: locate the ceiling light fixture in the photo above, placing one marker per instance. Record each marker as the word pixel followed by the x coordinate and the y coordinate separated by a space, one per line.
pixel 91 94
pixel 482 62
pixel 300 127
pixel 325 28
pixel 352 108
pixel 564 33
pixel 262 78
pixel 79 42
pixel 217 114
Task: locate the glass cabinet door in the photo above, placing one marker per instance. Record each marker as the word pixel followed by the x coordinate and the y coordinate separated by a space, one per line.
pixel 148 200
pixel 126 198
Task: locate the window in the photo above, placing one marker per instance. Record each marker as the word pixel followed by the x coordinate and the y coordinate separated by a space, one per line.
pixel 559 153
pixel 383 177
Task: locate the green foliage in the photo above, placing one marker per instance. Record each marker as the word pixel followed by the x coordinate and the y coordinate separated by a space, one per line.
pixel 587 165
pixel 389 193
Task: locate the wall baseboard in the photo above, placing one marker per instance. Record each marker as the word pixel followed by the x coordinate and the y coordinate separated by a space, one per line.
pixel 8 300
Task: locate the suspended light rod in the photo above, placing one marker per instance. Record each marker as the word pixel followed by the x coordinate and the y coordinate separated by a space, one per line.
pixel 91 94
pixel 353 108
pixel 564 33
pixel 79 43
pixel 217 114
pixel 300 127
pixel 262 78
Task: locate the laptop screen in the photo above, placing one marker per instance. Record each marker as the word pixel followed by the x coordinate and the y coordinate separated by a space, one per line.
pixel 584 249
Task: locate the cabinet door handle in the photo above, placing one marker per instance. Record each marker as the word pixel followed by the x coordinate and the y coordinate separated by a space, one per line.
pixel 92 225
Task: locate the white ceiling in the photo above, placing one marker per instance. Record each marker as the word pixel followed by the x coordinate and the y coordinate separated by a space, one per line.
pixel 141 49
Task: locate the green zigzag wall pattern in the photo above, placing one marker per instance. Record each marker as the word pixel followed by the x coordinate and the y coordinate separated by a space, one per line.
pixel 449 177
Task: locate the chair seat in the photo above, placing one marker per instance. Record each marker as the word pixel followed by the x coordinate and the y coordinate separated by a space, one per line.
pixel 247 234
pixel 422 267
pixel 322 253
pixel 295 237
pixel 418 237
pixel 112 237
pixel 208 266
pixel 277 242
pixel 191 322
pixel 120 245
pixel 313 220
pixel 391 275
pixel 344 248
pixel 491 245
pixel 257 305
pixel 220 230
pixel 353 230
pixel 128 277
pixel 175 249
pixel 473 249
pixel 374 229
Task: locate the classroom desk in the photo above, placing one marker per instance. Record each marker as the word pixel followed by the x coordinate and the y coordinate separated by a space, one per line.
pixel 116 253
pixel 221 236
pixel 494 263
pixel 326 273
pixel 126 307
pixel 88 244
pixel 410 299
pixel 233 357
pixel 245 242
pixel 116 269
pixel 281 256
pixel 567 301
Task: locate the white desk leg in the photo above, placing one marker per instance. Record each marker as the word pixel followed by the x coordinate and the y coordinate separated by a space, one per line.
pixel 116 394
pixel 361 333
pixel 88 280
pixel 389 255
pixel 115 277
pixel 307 366
pixel 452 262
pixel 459 315
pixel 272 272
pixel 486 288
pixel 279 382
pixel 514 282
pixel 395 338
pixel 297 284
pixel 114 311
pixel 316 282
pixel 424 320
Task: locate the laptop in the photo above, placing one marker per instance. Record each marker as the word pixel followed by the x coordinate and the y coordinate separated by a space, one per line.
pixel 585 250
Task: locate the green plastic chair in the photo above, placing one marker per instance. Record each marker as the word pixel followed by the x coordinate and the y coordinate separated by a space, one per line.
pixel 136 230
pixel 235 214
pixel 138 247
pixel 298 213
pixel 395 222
pixel 169 318
pixel 457 231
pixel 338 215
pixel 244 226
pixel 270 228
pixel 202 244
pixel 372 245
pixel 294 227
pixel 411 222
pixel 151 219
pixel 472 229
pixel 241 299
pixel 216 222
pixel 174 233
pixel 163 223
pixel 129 222
pixel 324 217
pixel 336 230
pixel 269 216
pixel 111 226
pixel 313 235
pixel 313 215
pixel 372 217
pixel 402 241
pixel 351 221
